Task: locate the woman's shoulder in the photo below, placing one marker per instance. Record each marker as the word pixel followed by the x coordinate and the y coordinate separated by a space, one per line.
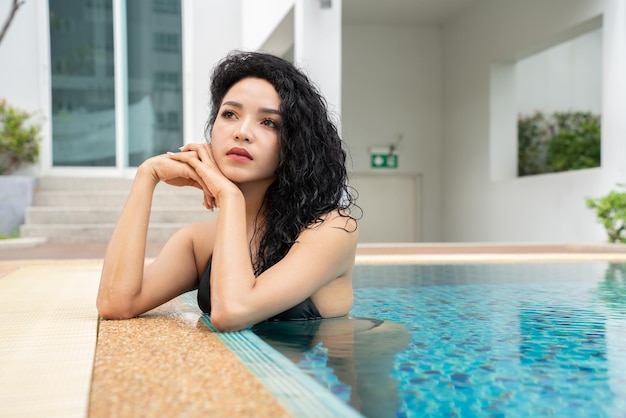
pixel 335 228
pixel 340 219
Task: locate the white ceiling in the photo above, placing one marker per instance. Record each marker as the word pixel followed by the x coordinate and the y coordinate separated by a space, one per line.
pixel 407 12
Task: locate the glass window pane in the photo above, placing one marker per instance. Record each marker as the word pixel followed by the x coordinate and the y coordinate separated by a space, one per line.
pixel 155 111
pixel 83 90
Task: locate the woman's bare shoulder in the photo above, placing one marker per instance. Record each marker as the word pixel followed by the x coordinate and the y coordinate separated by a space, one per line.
pixel 336 234
pixel 339 220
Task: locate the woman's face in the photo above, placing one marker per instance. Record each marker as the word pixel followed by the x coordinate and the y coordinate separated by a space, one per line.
pixel 245 137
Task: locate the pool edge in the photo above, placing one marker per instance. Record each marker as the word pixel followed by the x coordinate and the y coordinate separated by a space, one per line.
pixel 297 392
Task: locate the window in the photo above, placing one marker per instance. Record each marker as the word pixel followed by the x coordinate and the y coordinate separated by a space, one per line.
pixel 166 6
pixel 154 78
pixel 166 42
pixel 83 117
pixel 85 113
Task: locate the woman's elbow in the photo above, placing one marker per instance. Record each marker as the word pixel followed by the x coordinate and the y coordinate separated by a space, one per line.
pixel 108 310
pixel 226 320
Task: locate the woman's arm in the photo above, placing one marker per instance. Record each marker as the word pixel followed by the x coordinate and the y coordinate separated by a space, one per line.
pixel 321 258
pixel 126 290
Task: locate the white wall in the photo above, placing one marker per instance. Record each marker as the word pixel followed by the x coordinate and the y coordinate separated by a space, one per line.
pixel 392 86
pixel 317 48
pixel 316 37
pixel 19 71
pixel 204 45
pixel 260 18
pixel 545 208
pixel 563 78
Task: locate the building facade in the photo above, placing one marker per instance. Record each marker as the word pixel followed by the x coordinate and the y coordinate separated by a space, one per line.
pixel 116 81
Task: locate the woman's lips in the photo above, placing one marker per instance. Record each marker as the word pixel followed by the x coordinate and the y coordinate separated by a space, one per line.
pixel 239 154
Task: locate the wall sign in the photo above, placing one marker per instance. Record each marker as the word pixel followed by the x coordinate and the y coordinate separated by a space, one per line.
pixel 383 160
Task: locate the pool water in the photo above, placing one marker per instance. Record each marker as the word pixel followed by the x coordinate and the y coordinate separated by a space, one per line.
pixel 465 340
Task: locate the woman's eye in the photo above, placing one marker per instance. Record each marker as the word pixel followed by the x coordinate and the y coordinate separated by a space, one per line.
pixel 228 114
pixel 270 123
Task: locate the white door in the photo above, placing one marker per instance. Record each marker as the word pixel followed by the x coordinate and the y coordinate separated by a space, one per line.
pixel 391 207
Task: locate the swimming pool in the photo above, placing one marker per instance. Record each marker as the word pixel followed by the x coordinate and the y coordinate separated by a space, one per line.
pixel 502 339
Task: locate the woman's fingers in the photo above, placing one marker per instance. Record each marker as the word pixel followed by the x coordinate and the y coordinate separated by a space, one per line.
pixel 198 158
pixel 179 173
pixel 203 152
pixel 190 157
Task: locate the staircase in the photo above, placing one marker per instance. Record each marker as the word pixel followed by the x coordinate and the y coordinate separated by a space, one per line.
pixel 75 210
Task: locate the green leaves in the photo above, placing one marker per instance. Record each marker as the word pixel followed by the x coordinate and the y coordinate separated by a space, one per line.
pixel 533 133
pixel 611 212
pixel 577 143
pixel 19 141
pixel 560 142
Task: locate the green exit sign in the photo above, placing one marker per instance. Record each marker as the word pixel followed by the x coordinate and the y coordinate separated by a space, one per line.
pixel 383 160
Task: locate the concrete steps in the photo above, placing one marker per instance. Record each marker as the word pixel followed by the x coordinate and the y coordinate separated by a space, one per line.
pixel 86 209
pixel 110 198
pixel 64 215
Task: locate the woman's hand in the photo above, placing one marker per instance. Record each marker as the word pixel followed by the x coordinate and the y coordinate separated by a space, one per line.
pixel 199 157
pixel 163 168
pixel 177 173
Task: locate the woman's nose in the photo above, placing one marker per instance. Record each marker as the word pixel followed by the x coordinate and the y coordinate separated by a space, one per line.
pixel 244 131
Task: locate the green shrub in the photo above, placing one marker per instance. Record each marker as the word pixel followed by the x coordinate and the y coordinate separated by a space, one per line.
pixel 577 142
pixel 533 132
pixel 559 142
pixel 19 141
pixel 611 212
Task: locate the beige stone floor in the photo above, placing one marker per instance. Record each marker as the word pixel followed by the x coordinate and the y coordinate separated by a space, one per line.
pixel 167 363
pixel 164 363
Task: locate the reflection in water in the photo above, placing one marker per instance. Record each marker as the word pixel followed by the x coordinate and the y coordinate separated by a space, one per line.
pixel 612 291
pixel 553 332
pixel 554 335
pixel 359 352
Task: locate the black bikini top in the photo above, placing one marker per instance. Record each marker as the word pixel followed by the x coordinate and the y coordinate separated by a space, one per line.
pixel 302 311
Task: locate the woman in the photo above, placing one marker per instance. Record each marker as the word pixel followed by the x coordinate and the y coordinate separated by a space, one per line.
pixel 283 244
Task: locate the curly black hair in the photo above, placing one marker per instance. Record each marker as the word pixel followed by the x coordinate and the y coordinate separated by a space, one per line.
pixel 311 177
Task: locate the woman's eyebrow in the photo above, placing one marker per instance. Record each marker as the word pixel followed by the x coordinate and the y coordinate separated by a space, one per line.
pixel 268 110
pixel 261 110
pixel 231 103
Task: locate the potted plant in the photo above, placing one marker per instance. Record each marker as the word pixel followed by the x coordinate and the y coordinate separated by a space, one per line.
pixel 19 146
